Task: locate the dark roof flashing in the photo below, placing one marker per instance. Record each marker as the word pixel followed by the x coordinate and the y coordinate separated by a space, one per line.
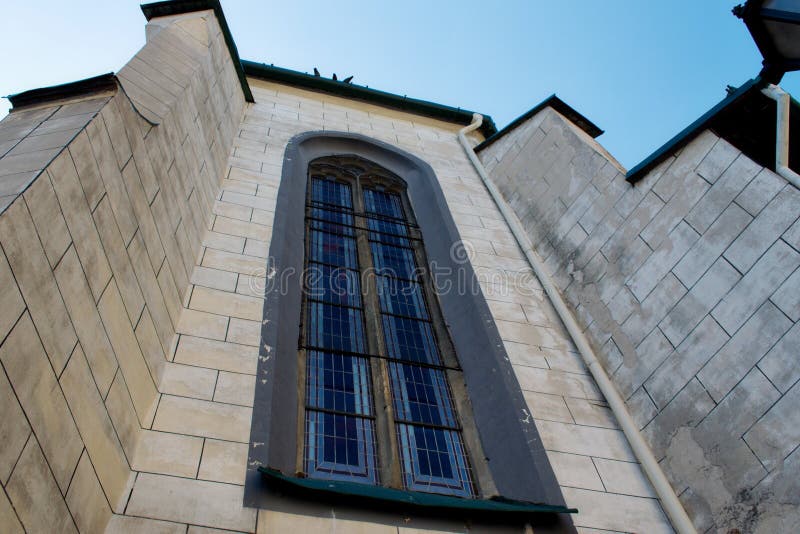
pixel 365 94
pixel 558 105
pixel 179 7
pixel 65 91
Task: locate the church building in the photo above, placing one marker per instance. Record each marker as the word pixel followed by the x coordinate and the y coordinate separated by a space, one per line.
pixel 241 298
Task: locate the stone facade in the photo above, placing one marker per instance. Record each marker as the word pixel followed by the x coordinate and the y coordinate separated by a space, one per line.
pixel 687 285
pixel 135 230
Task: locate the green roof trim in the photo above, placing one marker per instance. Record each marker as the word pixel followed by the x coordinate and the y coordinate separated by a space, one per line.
pixel 179 7
pixel 380 495
pixel 42 95
pixel 557 104
pixel 366 94
pixel 691 131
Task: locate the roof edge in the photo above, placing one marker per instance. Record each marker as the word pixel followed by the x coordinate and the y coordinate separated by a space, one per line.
pixel 365 94
pixel 689 133
pixel 179 7
pixel 43 95
pixel 557 104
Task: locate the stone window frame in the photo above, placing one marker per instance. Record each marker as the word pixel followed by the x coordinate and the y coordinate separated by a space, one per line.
pixel 508 436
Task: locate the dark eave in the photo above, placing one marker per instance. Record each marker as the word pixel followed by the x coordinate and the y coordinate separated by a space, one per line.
pixel 44 95
pixel 365 94
pixel 178 7
pixel 557 104
pixel 745 118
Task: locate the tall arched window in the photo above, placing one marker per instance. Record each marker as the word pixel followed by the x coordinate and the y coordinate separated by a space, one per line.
pixel 373 336
pixel 375 404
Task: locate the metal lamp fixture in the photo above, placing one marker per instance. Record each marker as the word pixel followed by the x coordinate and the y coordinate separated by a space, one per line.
pixel 775 27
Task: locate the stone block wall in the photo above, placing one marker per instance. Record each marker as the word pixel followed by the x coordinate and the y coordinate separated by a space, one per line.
pixel 110 203
pixel 688 287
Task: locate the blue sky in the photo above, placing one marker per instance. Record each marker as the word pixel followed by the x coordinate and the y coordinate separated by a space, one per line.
pixel 641 70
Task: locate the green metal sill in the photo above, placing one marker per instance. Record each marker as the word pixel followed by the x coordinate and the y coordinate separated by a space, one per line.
pixel 379 495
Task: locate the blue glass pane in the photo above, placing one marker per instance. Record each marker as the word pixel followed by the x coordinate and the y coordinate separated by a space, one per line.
pixel 421 395
pixel 383 203
pixel 409 339
pixel 336 285
pixel 393 261
pixel 335 328
pixel 331 192
pixel 434 460
pixel 338 222
pixel 340 447
pixel 386 231
pixel 401 297
pixel 333 249
pixel 338 382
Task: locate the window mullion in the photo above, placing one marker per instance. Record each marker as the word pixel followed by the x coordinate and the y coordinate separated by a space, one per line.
pixel 388 453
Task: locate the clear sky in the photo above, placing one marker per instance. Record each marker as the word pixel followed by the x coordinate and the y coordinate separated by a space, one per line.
pixel 640 69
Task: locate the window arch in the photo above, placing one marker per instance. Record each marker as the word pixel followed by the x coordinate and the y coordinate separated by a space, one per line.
pixel 502 429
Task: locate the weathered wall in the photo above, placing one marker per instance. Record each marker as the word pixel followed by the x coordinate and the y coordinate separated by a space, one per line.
pixel 135 268
pixel 99 237
pixel 688 286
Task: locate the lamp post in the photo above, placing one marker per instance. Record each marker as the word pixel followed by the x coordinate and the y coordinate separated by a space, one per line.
pixel 775 27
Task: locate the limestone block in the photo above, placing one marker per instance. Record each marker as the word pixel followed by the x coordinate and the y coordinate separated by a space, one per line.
pixel 11 303
pixel 35 495
pixel 141 208
pixel 759 283
pixel 711 244
pixel 280 521
pixel 203 418
pixel 223 461
pixel 86 500
pixel 46 214
pixel 86 320
pixel 760 191
pixel 661 261
pixel 198 323
pixel 780 363
pixel 151 291
pixel 533 335
pixel 235 388
pixel 717 160
pixel 641 407
pixel 168 454
pixel 32 273
pixel 557 383
pixel 29 164
pixel 112 179
pixel 117 255
pixel 8 518
pixel 188 381
pixel 224 303
pixel 687 409
pixel 591 413
pixel 787 297
pixel 214 278
pixel 547 407
pixel 238 263
pixel 777 434
pixel 686 161
pixel 41 398
pixel 575 471
pixel 744 350
pixel 232 211
pixel 691 189
pixel 79 220
pixel 14 431
pixel 773 220
pixel 609 511
pixel 217 354
pixel 244 332
pixel 169 291
pixel 86 166
pixel 663 297
pixel 123 524
pixel 238 228
pixel 191 501
pixel 584 440
pixel 724 190
pixel 129 355
pixel 94 424
pixel 687 359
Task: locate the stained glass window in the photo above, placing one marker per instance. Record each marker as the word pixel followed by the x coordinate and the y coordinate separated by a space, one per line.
pixel 365 253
